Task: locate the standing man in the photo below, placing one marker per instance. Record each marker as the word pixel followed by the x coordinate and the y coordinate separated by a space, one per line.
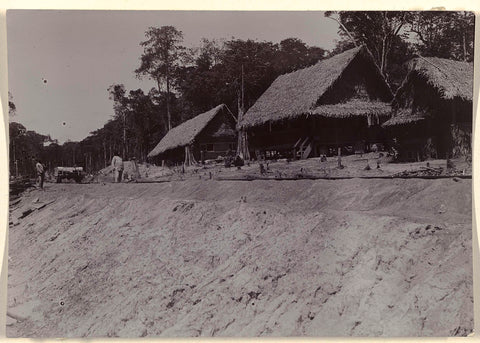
pixel 117 164
pixel 40 173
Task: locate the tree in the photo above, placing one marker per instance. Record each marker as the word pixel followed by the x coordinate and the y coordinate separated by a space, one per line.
pixel 24 146
pixel 294 54
pixel 12 109
pixel 444 34
pixel 117 94
pixel 384 33
pixel 377 30
pixel 208 54
pixel 161 57
pixel 135 126
pixel 215 72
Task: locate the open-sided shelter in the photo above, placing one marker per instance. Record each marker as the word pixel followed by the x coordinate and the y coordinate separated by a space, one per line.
pixel 339 102
pixel 206 136
pixel 432 109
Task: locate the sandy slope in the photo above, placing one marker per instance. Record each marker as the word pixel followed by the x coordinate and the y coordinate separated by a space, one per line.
pixel 259 258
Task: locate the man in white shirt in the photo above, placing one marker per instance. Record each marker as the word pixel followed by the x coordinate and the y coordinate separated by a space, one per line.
pixel 40 173
pixel 117 164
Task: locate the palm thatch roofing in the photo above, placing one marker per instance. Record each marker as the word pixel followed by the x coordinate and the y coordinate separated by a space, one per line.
pixel 185 133
pixel 402 120
pixel 295 94
pixel 451 79
pixel 353 108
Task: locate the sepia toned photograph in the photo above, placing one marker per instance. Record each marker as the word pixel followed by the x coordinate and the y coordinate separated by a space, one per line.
pixel 240 173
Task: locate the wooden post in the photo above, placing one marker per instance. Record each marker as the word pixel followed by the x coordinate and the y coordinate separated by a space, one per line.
pixel 340 158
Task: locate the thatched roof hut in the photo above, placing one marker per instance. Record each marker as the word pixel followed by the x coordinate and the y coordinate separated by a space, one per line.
pixel 451 80
pixel 307 92
pixel 216 123
pixel 432 109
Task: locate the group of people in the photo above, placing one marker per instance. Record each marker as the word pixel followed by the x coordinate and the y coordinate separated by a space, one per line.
pixel 117 164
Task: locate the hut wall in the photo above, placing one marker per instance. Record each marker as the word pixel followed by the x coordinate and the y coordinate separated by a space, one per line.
pixel 217 138
pixel 325 134
pixel 172 157
pixel 461 128
pixel 412 142
pixel 461 140
pixel 446 130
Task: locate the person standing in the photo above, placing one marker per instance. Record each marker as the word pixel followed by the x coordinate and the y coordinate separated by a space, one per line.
pixel 117 164
pixel 40 173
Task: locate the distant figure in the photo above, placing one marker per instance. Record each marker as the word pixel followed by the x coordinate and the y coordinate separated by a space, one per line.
pixel 262 169
pixel 238 161
pixel 394 148
pixel 40 173
pixel 136 171
pixel 117 165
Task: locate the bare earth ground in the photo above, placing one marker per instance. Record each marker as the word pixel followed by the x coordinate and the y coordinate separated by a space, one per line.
pixel 353 166
pixel 359 257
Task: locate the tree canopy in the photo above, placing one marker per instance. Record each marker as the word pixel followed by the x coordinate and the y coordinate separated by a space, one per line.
pixel 395 37
pixel 194 80
pixel 162 52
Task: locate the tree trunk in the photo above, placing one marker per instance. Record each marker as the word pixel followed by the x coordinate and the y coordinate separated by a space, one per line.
pixel 242 143
pixel 382 63
pixel 189 158
pixel 168 103
pixel 124 137
pixel 104 154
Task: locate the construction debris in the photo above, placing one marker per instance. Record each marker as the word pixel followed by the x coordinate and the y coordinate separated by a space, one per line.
pixel 422 171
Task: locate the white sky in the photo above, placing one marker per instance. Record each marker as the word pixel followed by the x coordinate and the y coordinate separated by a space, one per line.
pixel 81 53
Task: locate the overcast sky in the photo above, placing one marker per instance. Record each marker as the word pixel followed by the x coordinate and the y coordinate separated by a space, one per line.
pixel 81 53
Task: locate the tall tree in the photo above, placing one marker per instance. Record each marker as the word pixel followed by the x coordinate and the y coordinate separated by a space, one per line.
pixel 117 94
pixel 12 109
pixel 214 75
pixel 161 57
pixel 377 30
pixel 385 34
pixel 444 34
pixel 294 54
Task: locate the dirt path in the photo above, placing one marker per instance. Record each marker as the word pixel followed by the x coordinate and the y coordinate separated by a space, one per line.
pixel 260 258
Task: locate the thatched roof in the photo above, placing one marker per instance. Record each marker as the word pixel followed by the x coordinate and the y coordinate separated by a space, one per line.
pixel 295 94
pixel 185 133
pixel 402 120
pixel 451 78
pixel 353 108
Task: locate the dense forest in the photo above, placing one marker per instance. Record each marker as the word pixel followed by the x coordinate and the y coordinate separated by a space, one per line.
pixel 190 81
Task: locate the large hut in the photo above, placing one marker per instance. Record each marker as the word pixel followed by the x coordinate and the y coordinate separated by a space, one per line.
pixel 206 136
pixel 339 102
pixel 432 110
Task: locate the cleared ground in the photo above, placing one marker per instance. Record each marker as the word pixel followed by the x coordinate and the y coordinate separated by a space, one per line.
pixel 360 257
pixel 352 166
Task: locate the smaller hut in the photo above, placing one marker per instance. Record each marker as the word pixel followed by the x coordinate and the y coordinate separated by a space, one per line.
pixel 432 110
pixel 206 136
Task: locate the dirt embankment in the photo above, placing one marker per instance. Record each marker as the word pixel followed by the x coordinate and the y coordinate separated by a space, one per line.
pixel 260 258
